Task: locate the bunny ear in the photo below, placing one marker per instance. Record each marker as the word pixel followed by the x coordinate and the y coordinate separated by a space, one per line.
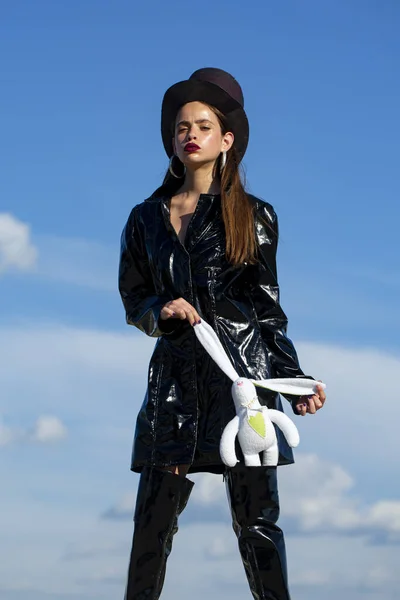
pixel 297 386
pixel 209 339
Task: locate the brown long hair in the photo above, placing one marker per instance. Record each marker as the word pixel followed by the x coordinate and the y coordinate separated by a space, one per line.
pixel 237 209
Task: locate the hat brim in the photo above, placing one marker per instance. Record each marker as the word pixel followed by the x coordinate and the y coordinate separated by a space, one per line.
pixel 193 90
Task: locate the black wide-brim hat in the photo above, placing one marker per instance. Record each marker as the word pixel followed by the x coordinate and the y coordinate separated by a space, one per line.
pixel 216 88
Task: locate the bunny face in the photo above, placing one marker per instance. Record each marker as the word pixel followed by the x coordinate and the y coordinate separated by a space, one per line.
pixel 244 393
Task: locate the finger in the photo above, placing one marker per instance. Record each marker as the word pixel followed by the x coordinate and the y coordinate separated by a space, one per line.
pixel 191 316
pixel 186 313
pixel 191 313
pixel 317 402
pixel 166 313
pixel 195 317
pixel 301 405
pixel 311 406
pixel 177 311
pixel 301 409
pixel 185 305
pixel 321 393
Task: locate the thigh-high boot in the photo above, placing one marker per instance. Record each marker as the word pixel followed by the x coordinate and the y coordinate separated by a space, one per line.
pixel 161 497
pixel 254 502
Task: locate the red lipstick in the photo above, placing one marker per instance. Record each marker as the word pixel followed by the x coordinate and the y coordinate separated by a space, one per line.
pixel 190 147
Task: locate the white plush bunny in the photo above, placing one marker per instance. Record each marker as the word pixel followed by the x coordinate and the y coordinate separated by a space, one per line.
pixel 253 423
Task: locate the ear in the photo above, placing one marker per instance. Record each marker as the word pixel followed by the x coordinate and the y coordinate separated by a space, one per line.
pixel 296 386
pixel 209 340
pixel 227 141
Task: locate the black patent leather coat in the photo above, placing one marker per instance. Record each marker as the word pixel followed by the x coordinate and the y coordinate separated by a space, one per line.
pixel 188 400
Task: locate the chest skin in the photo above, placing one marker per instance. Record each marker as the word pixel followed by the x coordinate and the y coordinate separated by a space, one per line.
pixel 180 217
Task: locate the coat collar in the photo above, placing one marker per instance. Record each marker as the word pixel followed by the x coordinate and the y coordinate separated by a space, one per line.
pixel 207 210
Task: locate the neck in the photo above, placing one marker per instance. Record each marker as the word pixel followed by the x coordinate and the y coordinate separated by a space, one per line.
pixel 200 181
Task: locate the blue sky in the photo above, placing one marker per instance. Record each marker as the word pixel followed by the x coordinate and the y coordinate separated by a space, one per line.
pixel 82 84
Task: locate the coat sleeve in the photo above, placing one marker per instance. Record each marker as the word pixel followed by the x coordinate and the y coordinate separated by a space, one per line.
pixel 142 304
pixel 266 297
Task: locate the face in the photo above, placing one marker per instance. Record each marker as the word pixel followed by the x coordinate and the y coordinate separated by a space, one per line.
pixel 198 137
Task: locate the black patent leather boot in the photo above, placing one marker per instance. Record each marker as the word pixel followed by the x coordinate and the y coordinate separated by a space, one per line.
pixel 254 502
pixel 161 497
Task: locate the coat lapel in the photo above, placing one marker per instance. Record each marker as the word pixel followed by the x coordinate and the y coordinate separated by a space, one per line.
pixel 206 213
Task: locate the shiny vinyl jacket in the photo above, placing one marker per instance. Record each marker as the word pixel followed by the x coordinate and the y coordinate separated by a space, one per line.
pixel 188 400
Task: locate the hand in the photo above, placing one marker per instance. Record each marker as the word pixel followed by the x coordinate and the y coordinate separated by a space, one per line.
pixel 180 309
pixel 310 404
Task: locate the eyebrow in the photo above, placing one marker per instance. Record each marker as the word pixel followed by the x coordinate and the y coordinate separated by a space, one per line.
pixel 197 122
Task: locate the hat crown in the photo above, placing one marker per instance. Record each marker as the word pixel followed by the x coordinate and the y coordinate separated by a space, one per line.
pixel 222 79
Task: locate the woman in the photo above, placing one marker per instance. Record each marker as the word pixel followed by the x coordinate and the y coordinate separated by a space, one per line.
pixel 201 247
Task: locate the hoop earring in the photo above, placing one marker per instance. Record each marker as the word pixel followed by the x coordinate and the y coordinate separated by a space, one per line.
pixel 223 162
pixel 171 170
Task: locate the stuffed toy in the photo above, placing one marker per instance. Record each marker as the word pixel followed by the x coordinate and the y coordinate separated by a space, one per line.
pixel 253 424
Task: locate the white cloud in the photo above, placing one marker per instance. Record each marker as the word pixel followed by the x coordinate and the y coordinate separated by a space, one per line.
pixel 358 422
pixel 385 515
pixel 209 490
pixel 66 260
pixel 322 567
pixel 48 429
pixel 16 248
pixel 87 373
pixel 6 434
pixel 219 548
pixel 95 381
pixel 208 494
pixel 79 369
pixel 325 502
pixel 123 509
pixel 312 577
